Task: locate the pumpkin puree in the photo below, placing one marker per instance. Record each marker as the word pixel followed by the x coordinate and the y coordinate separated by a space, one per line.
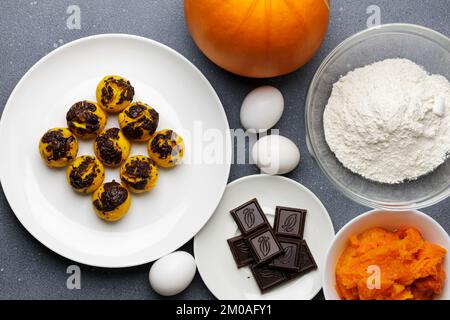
pixel 410 267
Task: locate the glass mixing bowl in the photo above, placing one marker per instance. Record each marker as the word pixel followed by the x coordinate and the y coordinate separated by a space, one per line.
pixel 421 45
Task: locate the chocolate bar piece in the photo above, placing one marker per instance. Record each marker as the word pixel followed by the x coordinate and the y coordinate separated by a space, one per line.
pixel 306 260
pixel 267 278
pixel 290 258
pixel 289 222
pixel 241 252
pixel 249 217
pixel 264 245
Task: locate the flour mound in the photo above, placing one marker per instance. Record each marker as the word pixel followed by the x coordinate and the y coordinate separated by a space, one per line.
pixel 390 121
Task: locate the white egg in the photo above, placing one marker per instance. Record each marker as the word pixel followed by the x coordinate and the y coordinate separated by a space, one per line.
pixel 173 273
pixel 262 109
pixel 275 154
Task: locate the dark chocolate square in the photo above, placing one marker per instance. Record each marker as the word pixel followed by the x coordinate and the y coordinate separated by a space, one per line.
pixel 289 222
pixel 289 259
pixel 306 260
pixel 264 245
pixel 267 278
pixel 249 217
pixel 241 252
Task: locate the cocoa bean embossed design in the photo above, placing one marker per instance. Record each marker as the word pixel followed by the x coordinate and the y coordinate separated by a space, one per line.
pixel 288 252
pixel 289 223
pixel 249 217
pixel 242 247
pixel 267 273
pixel 264 245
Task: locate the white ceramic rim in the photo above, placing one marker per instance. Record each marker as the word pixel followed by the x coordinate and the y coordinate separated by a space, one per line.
pixel 29 227
pixel 391 206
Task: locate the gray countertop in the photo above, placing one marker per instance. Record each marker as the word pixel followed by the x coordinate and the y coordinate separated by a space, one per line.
pixel 31 29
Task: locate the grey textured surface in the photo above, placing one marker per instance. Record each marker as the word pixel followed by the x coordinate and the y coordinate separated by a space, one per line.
pixel 31 29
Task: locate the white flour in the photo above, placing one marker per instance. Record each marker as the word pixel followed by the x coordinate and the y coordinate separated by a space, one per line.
pixel 389 121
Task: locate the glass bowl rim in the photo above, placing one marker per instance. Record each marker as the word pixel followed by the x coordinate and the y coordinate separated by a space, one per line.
pixel 404 28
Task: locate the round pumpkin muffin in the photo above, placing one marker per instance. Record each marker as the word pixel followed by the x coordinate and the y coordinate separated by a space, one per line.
pixel 114 93
pixel 112 148
pixel 166 148
pixel 86 119
pixel 138 121
pixel 86 174
pixel 139 174
pixel 58 147
pixel 111 201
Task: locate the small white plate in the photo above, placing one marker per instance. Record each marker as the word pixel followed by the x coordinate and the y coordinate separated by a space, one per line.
pixel 158 222
pixel 215 262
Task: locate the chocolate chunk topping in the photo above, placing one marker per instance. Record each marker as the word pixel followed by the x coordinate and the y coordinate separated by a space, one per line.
pixel 76 176
pixel 138 185
pixel 107 94
pixel 126 91
pixel 57 145
pixel 135 111
pixel 112 197
pixel 112 133
pixel 83 112
pixel 151 124
pixel 161 144
pixel 139 169
pixel 132 132
pixel 106 147
pixel 135 129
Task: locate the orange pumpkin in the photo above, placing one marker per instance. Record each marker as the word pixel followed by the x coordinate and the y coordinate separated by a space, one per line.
pixel 258 38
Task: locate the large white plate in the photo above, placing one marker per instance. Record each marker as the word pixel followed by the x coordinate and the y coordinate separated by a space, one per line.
pixel 158 222
pixel 215 262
